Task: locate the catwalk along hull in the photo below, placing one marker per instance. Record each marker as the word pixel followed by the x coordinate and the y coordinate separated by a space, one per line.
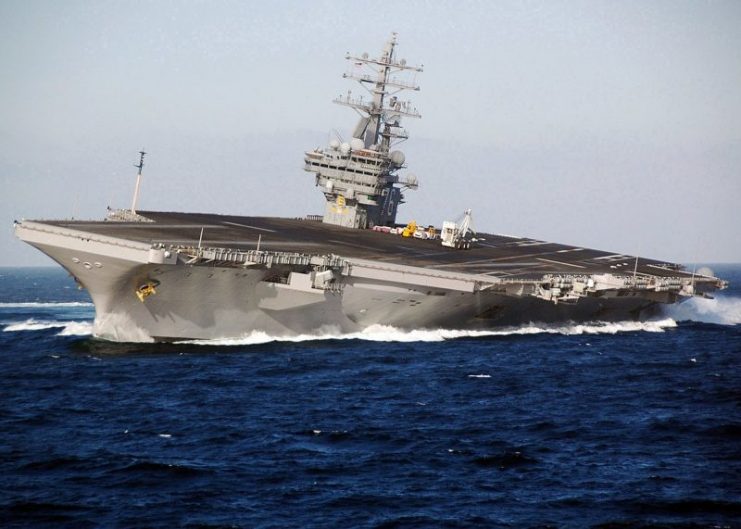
pixel 145 288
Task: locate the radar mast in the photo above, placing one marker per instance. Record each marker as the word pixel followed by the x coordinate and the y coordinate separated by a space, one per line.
pixel 359 179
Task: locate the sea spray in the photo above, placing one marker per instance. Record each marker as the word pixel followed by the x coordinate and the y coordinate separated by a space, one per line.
pixel 723 310
pixel 49 304
pixel 68 328
pixel 385 333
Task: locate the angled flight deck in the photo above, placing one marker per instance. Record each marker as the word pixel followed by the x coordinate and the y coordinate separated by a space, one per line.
pixel 494 255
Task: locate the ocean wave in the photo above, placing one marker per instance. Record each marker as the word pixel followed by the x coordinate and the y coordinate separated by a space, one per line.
pixel 77 328
pixel 39 304
pixel 68 328
pixel 721 310
pixel 374 333
pixel 386 333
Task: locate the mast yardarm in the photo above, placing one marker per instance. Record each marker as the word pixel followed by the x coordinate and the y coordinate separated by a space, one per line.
pixel 359 179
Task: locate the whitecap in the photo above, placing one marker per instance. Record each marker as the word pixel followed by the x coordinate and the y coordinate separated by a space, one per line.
pixel 33 325
pixel 68 328
pixel 37 304
pixel 77 328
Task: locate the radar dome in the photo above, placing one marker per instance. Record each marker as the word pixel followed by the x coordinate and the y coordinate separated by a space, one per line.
pixel 344 148
pixel 397 158
pixel 705 271
pixel 334 144
pixel 357 143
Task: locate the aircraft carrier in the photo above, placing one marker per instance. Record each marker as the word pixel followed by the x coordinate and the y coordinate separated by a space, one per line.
pixel 168 276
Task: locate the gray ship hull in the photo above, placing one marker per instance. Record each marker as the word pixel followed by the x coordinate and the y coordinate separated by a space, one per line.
pixel 215 292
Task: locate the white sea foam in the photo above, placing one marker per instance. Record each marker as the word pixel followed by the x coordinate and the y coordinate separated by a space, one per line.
pixel 68 328
pixel 385 333
pixel 374 333
pixel 721 310
pixel 77 328
pixel 38 304
pixel 32 325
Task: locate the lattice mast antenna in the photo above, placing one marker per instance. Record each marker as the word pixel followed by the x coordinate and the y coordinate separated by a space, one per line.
pixel 381 116
pixel 359 178
pixel 138 181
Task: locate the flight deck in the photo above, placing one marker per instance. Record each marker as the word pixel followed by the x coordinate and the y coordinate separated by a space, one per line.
pixel 492 255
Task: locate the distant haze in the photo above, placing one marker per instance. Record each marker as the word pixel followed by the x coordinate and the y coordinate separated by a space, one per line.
pixel 614 125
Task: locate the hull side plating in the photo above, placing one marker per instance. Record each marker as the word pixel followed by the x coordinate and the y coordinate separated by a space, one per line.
pixel 210 302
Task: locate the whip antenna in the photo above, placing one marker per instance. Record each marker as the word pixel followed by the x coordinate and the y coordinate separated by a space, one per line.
pixel 138 181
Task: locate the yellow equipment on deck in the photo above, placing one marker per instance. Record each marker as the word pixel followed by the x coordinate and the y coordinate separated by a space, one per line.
pixel 409 230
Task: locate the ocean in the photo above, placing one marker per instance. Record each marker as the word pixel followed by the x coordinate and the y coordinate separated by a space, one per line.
pixel 595 425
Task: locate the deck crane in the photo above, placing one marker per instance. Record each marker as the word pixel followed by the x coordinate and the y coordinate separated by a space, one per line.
pixel 456 234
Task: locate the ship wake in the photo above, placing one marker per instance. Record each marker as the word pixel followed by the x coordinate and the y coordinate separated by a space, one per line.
pixel 719 311
pixel 385 333
pixel 66 328
pixel 43 305
pixel 723 310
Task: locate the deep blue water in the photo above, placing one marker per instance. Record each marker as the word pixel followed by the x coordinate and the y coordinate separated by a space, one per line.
pixel 576 427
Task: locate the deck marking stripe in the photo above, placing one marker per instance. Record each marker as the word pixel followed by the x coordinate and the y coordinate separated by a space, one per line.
pixel 144 226
pixel 247 226
pixel 560 262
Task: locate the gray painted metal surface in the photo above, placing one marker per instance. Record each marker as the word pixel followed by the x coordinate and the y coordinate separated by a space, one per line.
pixel 312 277
pixel 360 177
pixel 170 276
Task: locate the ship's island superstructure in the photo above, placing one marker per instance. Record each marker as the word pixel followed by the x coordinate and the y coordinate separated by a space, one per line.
pixel 173 276
pixel 359 178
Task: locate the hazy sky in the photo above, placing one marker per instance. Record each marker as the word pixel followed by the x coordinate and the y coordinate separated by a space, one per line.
pixel 614 125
